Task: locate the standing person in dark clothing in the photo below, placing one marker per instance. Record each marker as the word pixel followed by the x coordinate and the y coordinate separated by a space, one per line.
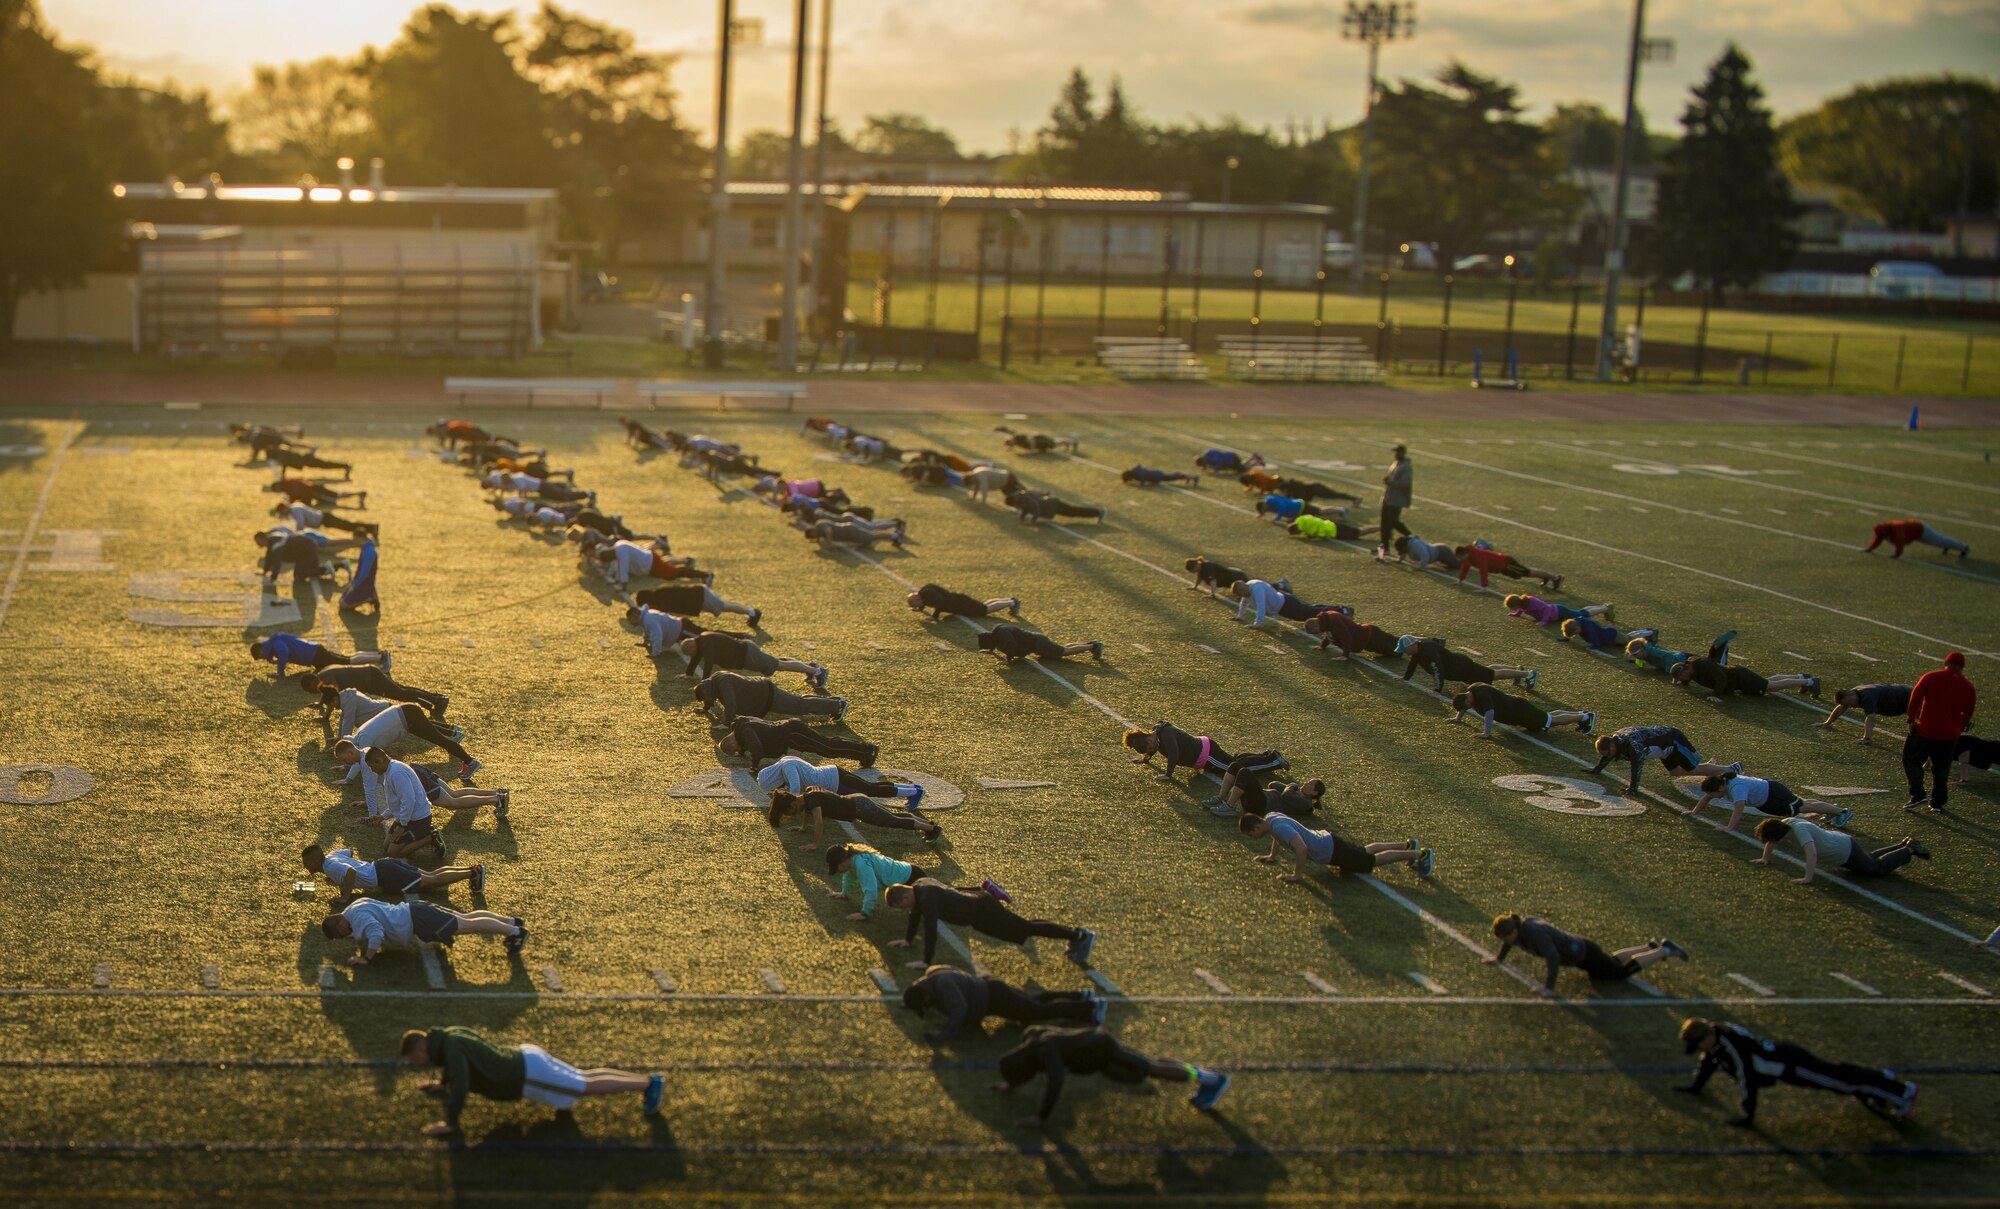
pixel 1335 628
pixel 1443 663
pixel 1055 1053
pixel 755 696
pixel 931 902
pixel 719 651
pixel 1558 949
pixel 941 600
pixel 968 999
pixel 1726 679
pixel 1874 701
pixel 1492 705
pixel 760 741
pixel 370 679
pixel 1758 1062
pixel 471 1063
pixel 1941 706
pixel 1011 642
pixel 1666 744
pixel 819 805
pixel 1395 498
pixel 1199 753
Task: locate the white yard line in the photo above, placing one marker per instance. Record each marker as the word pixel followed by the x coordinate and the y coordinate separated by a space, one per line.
pixel 1927 480
pixel 1856 983
pixel 34 519
pixel 1754 986
pixel 1967 983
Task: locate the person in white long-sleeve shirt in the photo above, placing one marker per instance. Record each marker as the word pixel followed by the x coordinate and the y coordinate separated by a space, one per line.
pixel 396 799
pixel 662 629
pixel 380 927
pixel 367 721
pixel 1269 599
pixel 797 775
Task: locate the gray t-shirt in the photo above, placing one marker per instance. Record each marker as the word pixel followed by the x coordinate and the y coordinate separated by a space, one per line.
pixel 1319 844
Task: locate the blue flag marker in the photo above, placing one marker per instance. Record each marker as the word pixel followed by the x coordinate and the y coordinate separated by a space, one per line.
pixel 1913 417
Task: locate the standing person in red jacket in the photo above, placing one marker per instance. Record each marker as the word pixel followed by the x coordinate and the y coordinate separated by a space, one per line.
pixel 1941 706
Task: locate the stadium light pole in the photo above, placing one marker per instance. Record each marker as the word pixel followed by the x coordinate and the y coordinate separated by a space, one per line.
pixel 793 243
pixel 819 153
pixel 718 194
pixel 1371 24
pixel 1641 50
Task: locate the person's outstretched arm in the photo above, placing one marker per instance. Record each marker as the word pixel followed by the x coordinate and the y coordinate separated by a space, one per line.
pixel 945 998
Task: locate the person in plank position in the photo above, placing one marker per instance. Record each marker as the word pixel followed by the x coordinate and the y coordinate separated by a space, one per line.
pixel 757 696
pixel 1486 560
pixel 1324 848
pixel 1034 507
pixel 470 1063
pixel 1148 476
pixel 797 775
pixel 1212 575
pixel 860 867
pixel 395 798
pixel 1557 949
pixel 1600 637
pixel 368 678
pixel 1492 706
pixel 688 599
pixel 1426 555
pixel 380 927
pixel 940 601
pixel 354 877
pixel 303 516
pixel 1013 643
pixel 1638 744
pixel 1035 442
pixel 758 741
pixel 1758 1062
pixel 819 805
pixel 1874 701
pixel 288 457
pixel 717 651
pixel 861 535
pixel 287 649
pixel 1547 612
pixel 931 902
pixel 1199 754
pixel 319 495
pixel 1912 532
pixel 966 1000
pixel 371 722
pixel 1244 792
pixel 1056 1053
pixel 1332 528
pixel 1227 461
pixel 1970 752
pixel 1444 664
pixel 1646 652
pixel 1336 628
pixel 1263 599
pixel 1770 799
pixel 1821 846
pixel 1728 679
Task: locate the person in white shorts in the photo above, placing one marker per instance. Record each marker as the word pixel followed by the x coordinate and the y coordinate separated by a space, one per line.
pixel 470 1063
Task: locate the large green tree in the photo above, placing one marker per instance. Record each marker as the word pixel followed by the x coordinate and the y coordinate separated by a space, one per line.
pixel 57 216
pixel 148 133
pixel 301 117
pixel 450 104
pixel 904 134
pixel 1725 209
pixel 1906 150
pixel 1456 164
pixel 1088 142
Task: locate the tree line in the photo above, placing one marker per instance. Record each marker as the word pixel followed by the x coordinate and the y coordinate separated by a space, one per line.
pixel 560 100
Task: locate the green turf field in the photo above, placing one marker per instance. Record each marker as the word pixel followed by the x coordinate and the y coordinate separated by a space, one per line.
pixel 1421 1077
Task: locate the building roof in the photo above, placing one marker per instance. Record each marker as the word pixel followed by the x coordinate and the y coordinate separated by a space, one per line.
pixel 1067 197
pixel 399 194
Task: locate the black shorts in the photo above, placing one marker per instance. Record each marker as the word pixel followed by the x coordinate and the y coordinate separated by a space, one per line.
pixel 1127 1067
pixel 1603 967
pixel 420 829
pixel 1351 858
pixel 393 876
pixel 1781 802
pixel 432 783
pixel 433 924
pixel 324 659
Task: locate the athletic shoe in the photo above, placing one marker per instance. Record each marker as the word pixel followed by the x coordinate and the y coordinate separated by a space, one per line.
pixel 444 703
pixel 479 879
pixel 387 659
pixel 1736 768
pixel 1671 949
pixel 1559 583
pixel 868 761
pixel 1014 607
pixel 1916 848
pixel 467 770
pixel 1965 554
pixel 1915 802
pixel 915 799
pixel 840 710
pixel 1844 817
pixel 756 616
pixel 994 888
pixel 1079 949
pixel 819 678
pixel 1608 611
pixel 438 846
pixel 505 803
pixel 1100 520
pixel 1812 687
pixel 1936 809
pixel 1208 1088
pixel 1648 633
pixel 364 500
pixel 1099 1006
pixel 1533 679
pixel 1097 651
pixel 1220 809
pixel 1589 724
pixel 519 938
pixel 1425 862
pixel 1283 585
pixel 1413 842
pixel 1902 1110
pixel 458 733
pixel 656 1090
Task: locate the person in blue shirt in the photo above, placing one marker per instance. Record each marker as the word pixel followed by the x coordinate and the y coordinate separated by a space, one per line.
pixel 287 649
pixel 1227 461
pixel 1325 848
pixel 1600 637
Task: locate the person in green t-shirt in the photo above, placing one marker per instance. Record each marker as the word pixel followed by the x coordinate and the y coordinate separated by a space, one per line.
pixel 471 1063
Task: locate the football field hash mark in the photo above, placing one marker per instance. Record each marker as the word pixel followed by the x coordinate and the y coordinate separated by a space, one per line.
pixel 1753 986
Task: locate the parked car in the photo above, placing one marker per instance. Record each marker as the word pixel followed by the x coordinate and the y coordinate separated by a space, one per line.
pixel 1482 264
pixel 1898 278
pixel 1418 257
pixel 1336 254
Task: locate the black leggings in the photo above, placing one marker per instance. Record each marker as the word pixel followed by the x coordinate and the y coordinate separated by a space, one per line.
pixel 295 460
pixel 1603 967
pixel 1392 522
pixel 420 726
pixel 874 814
pixel 1006 1002
pixel 801 737
pixel 1879 863
pixel 330 521
pixel 783 702
pixel 392 691
pixel 849 783
pixel 1244 770
pixel 998 922
pixel 301 552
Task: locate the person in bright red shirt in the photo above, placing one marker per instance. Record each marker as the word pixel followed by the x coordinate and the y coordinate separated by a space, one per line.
pixel 1486 559
pixel 1912 532
pixel 1941 705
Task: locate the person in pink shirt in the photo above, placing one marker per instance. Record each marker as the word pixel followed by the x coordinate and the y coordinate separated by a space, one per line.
pixel 1547 612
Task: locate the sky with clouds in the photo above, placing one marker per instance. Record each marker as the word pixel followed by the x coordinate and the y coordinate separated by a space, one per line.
pixel 988 70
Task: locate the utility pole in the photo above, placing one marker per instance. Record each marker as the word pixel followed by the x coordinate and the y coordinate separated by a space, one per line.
pixel 1373 24
pixel 1614 252
pixel 793 243
pixel 819 151
pixel 718 195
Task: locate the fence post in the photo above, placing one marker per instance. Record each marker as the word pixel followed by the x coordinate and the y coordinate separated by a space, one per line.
pixel 1041 276
pixel 1167 249
pixel 1382 322
pixel 979 289
pixel 1701 341
pixel 1444 326
pixel 1833 359
pixel 1103 271
pixel 1965 375
pixel 1513 288
pixel 1006 334
pixel 1902 343
pixel 1569 356
pixel 1767 357
pixel 1319 310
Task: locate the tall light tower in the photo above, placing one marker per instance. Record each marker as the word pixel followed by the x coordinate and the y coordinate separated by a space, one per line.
pixel 1642 49
pixel 1373 24
pixel 793 243
pixel 728 31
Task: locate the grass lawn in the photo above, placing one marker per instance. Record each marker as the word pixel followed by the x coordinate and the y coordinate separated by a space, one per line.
pixel 1422 1077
